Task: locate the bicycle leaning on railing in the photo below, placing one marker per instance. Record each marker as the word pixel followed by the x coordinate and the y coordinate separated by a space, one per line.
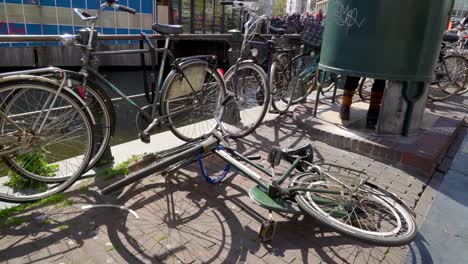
pixel 187 100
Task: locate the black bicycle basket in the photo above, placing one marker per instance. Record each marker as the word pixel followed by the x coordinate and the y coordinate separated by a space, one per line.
pixel 313 33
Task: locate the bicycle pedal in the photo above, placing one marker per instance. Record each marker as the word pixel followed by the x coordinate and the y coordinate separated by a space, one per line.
pixel 267 230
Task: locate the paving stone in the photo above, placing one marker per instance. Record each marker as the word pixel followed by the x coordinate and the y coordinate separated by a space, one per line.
pixel 217 224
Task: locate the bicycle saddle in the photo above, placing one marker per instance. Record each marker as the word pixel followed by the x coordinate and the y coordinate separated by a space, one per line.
pixel 450 37
pixel 165 29
pixel 277 31
pixel 305 153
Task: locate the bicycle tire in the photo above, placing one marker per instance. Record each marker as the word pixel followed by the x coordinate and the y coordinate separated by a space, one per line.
pixel 103 115
pixel 249 103
pixel 364 94
pixel 308 78
pixel 47 161
pixel 211 105
pixel 281 80
pixel 439 90
pixel 104 124
pixel 463 84
pixel 318 210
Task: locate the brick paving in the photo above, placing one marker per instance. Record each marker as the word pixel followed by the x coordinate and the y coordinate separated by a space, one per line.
pixel 183 219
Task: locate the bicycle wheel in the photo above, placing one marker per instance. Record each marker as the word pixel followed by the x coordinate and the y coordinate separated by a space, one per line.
pixel 281 83
pixel 193 114
pixel 365 87
pixel 450 77
pixel 304 68
pixel 57 145
pixel 245 112
pixel 457 65
pixel 355 208
pixel 100 106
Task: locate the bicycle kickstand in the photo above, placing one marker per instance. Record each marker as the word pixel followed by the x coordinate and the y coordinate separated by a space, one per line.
pixel 268 228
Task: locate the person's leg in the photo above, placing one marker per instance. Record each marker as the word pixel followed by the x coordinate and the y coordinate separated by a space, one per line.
pixel 375 101
pixel 349 88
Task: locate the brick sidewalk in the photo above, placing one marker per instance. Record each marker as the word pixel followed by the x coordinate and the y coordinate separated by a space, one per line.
pixel 182 219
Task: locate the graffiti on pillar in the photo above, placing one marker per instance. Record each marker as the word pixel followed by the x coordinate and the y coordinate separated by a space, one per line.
pixel 348 17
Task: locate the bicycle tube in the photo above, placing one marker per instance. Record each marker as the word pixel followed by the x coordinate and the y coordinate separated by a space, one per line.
pixel 205 146
pixel 120 93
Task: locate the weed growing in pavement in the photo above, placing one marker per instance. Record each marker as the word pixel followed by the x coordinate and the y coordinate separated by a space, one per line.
pixel 13 221
pixel 119 169
pixel 62 227
pixel 164 237
pixel 4 213
pixel 64 204
pixel 34 163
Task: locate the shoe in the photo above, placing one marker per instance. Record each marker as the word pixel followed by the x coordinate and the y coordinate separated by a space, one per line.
pixel 371 123
pixel 345 113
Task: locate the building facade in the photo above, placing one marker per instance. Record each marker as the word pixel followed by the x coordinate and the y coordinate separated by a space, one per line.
pixel 52 17
pixel 300 6
pixel 321 4
pixel 460 8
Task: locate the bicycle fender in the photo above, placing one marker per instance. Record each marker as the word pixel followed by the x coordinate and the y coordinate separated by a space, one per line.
pixel 15 78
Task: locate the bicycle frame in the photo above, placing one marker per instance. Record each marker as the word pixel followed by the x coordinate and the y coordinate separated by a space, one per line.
pixel 217 145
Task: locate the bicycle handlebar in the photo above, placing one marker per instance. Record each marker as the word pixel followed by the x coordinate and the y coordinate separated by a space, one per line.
pixel 126 9
pixel 83 14
pixel 111 3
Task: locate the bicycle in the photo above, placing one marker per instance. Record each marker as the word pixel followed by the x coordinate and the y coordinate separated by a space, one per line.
pixel 450 75
pixel 246 82
pixel 302 74
pixel 46 139
pixel 183 101
pixel 346 202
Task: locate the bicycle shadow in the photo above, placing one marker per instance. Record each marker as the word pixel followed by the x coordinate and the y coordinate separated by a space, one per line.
pixel 178 223
pixel 172 217
pixel 290 242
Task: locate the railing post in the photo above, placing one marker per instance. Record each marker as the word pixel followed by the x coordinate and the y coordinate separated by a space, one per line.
pixel 223 19
pixel 204 17
pixel 192 16
pixel 180 13
pixel 213 20
pixel 170 11
pixel 235 43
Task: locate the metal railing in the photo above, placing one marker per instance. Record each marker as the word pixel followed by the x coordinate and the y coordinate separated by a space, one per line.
pixel 46 38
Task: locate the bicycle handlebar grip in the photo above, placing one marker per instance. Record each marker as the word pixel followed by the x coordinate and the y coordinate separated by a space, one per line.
pixel 127 9
pixel 226 2
pixel 85 14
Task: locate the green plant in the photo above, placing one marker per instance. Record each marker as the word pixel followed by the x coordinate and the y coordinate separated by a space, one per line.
pixel 63 204
pixel 279 9
pixel 120 169
pixel 62 227
pixel 164 237
pixel 36 164
pixel 110 249
pixel 7 212
pixel 13 221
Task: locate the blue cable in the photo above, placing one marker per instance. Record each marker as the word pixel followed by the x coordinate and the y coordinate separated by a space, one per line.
pixel 204 174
